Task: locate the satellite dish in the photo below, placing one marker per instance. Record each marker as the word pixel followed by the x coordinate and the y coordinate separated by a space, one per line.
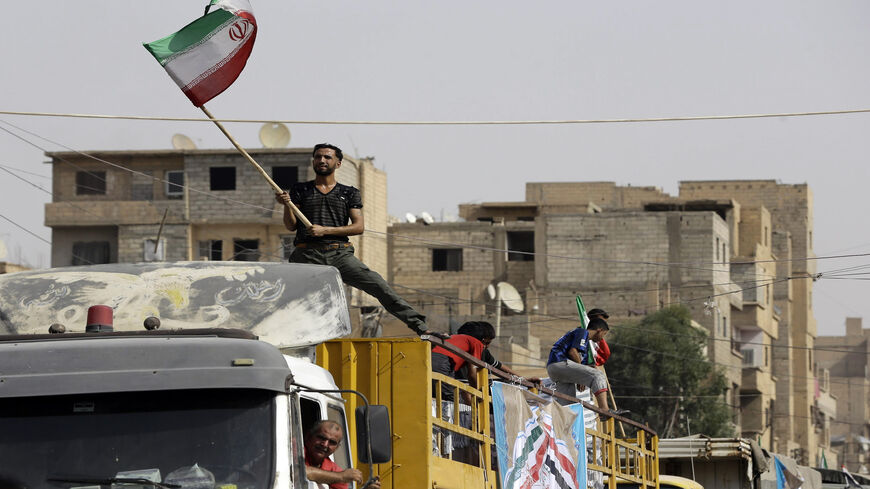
pixel 180 141
pixel 427 218
pixel 490 292
pixel 2 250
pixel 410 217
pixel 274 135
pixel 510 297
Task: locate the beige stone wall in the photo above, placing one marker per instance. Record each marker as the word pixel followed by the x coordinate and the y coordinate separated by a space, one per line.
pixel 607 195
pixel 126 216
pixel 132 242
pixel 371 247
pixel 118 181
pixel 253 199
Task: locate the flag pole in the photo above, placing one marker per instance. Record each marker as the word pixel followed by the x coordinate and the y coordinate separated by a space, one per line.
pixel 265 175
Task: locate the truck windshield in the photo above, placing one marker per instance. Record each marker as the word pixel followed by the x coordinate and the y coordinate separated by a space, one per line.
pixel 227 433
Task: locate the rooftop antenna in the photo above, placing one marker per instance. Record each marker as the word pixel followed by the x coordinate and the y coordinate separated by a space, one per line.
pixel 180 141
pixel 427 218
pixel 274 135
pixel 410 217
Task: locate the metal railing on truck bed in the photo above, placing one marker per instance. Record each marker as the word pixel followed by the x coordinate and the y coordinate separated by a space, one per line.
pixel 397 372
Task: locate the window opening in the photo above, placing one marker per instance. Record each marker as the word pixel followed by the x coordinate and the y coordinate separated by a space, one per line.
pixel 90 253
pixel 90 183
pixel 285 176
pixel 246 249
pixel 447 260
pixel 522 241
pixel 174 184
pixel 222 178
pixel 211 249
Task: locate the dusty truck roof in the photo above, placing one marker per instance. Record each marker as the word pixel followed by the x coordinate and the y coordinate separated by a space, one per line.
pixel 90 363
pixel 288 305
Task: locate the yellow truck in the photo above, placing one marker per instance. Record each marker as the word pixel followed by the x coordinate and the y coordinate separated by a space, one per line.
pixel 397 373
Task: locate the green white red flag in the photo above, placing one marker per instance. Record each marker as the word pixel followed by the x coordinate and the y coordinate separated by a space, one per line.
pixel 206 56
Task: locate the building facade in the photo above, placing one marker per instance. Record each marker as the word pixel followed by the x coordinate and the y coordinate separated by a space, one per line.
pixel 718 248
pixel 846 364
pixel 108 206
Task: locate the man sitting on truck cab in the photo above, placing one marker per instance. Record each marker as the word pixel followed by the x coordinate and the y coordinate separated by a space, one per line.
pixel 321 441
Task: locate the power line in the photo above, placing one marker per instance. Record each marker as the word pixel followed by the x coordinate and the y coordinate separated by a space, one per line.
pixel 447 123
pixel 25 171
pixel 26 230
pixel 685 265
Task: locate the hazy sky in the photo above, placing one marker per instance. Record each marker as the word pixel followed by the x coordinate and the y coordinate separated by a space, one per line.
pixel 486 60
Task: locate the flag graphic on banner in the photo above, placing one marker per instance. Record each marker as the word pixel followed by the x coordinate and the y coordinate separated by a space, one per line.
pixel 540 445
pixel 206 56
pixel 786 478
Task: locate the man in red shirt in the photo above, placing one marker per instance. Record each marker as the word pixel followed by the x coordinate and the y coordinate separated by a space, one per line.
pixel 448 363
pixel 322 441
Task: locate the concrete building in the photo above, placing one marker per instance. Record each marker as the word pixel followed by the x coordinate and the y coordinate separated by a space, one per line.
pixel 846 362
pixel 791 216
pixel 717 248
pixel 108 206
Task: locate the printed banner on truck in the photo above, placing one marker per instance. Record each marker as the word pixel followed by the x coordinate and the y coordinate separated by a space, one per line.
pixel 540 444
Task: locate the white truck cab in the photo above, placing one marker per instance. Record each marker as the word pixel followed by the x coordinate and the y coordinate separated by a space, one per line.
pixel 201 402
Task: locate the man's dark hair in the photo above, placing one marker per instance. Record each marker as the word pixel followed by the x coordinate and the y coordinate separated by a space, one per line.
pixel 328 146
pixel 478 329
pixel 598 323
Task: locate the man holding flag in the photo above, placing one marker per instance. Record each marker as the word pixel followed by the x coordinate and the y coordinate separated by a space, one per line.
pixel 335 211
pixel 204 58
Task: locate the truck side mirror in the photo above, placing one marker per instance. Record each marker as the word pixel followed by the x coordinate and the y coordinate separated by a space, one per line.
pixel 381 440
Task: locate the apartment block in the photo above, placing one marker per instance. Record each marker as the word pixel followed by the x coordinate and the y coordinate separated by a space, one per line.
pixel 845 361
pixel 725 250
pixel 110 206
pixel 791 216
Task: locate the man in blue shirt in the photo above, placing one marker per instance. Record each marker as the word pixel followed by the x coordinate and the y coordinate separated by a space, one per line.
pixel 569 362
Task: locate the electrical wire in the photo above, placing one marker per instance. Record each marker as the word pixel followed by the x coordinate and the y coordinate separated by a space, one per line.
pixel 445 123
pixel 686 265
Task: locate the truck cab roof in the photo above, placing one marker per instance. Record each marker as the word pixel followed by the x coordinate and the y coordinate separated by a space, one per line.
pixel 286 304
pixel 43 365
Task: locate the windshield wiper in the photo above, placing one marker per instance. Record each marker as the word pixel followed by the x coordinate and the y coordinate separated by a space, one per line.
pixel 114 480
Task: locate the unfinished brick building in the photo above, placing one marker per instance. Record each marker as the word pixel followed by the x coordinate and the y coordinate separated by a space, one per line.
pixel 108 206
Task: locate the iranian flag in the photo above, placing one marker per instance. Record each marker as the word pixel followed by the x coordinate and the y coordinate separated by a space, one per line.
pixel 207 55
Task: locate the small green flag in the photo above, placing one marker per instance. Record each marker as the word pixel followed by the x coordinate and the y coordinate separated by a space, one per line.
pixel 581 310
